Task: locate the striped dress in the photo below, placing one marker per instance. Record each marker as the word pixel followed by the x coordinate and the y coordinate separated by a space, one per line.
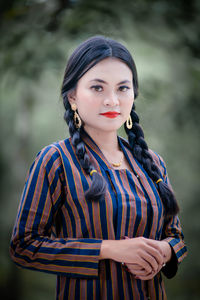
pixel 59 232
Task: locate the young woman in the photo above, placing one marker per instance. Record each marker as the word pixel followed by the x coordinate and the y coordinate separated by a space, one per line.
pixel 98 210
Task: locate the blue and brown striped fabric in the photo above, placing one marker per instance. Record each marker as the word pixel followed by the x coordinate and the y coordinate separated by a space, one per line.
pixel 58 231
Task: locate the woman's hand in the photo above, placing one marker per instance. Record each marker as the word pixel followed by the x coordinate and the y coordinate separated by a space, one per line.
pixel 141 273
pixel 143 257
pixel 144 254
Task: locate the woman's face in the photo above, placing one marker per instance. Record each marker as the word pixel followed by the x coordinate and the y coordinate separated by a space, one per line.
pixel 104 96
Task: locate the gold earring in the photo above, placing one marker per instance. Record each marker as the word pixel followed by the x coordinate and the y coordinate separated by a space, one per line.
pixel 129 123
pixel 73 106
pixel 77 119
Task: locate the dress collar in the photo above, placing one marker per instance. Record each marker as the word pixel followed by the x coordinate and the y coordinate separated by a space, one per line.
pixel 98 154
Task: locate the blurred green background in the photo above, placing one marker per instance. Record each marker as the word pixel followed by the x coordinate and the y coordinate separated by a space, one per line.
pixel 37 36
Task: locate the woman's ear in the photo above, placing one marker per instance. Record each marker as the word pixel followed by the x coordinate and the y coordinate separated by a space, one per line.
pixel 71 95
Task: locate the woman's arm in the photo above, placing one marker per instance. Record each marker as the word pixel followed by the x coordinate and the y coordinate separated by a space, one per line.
pixel 32 245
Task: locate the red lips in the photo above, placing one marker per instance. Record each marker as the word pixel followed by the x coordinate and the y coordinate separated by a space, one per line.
pixel 110 114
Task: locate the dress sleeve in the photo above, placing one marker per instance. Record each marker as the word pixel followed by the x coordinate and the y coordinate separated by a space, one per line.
pixel 172 232
pixel 32 244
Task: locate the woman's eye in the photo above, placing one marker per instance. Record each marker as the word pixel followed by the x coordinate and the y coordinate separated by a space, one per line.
pixel 97 88
pixel 124 88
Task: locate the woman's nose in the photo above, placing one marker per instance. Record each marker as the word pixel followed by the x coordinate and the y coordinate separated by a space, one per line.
pixel 111 100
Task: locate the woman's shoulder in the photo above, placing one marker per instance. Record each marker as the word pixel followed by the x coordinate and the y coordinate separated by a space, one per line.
pixel 53 152
pixel 157 158
pixel 159 161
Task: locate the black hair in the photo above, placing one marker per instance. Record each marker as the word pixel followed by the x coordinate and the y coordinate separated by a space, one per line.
pixel 85 56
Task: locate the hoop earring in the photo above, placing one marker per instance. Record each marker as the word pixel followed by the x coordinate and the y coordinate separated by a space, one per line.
pixel 129 123
pixel 77 119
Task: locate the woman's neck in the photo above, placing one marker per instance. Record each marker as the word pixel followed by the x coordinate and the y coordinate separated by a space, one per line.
pixel 106 140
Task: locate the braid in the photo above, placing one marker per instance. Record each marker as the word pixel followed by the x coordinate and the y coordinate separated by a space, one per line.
pixel 98 186
pixel 141 153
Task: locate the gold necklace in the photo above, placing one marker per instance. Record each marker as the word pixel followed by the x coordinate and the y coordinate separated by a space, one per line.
pixel 117 165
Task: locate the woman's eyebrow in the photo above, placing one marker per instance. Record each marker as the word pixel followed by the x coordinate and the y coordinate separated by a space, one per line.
pixel 102 81
pixel 124 81
pixel 99 80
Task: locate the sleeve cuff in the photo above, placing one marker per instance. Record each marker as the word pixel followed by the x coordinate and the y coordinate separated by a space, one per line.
pixel 179 251
pixel 171 266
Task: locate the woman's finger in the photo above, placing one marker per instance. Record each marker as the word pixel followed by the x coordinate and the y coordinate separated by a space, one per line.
pixel 151 260
pixel 145 277
pixel 141 272
pixel 153 252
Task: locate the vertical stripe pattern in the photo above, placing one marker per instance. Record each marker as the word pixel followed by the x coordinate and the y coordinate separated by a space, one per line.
pixel 59 232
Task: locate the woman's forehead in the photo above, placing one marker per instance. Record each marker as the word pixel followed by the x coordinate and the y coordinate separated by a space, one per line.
pixel 107 67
